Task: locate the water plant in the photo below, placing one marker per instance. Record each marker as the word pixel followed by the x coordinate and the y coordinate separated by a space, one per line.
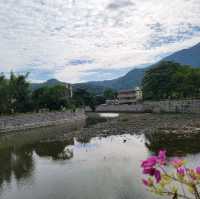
pixel 171 177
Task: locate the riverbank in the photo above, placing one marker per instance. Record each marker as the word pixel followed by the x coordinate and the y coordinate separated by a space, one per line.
pixel 24 122
pixel 176 124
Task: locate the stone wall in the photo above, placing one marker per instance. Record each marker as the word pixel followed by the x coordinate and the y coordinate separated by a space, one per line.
pixel 35 120
pixel 173 106
pixel 137 108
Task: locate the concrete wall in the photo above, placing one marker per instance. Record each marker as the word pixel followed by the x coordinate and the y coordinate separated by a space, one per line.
pixel 173 106
pixel 35 120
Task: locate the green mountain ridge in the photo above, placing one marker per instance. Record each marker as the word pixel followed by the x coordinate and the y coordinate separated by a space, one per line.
pixel 133 78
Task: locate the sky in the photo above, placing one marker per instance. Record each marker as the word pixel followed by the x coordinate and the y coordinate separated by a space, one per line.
pixel 84 40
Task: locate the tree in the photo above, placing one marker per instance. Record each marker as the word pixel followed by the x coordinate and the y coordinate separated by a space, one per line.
pixel 58 97
pixel 171 80
pixel 19 93
pixel 99 100
pixel 40 98
pixel 4 95
pixel 83 98
pixel 52 98
pixel 110 94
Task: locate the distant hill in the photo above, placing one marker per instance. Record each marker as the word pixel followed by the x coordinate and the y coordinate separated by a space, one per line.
pixel 125 82
pixel 190 56
pixel 133 78
pixel 53 82
pixel 50 83
pixel 96 89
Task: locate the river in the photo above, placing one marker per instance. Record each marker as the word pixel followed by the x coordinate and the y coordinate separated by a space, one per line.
pixel 63 168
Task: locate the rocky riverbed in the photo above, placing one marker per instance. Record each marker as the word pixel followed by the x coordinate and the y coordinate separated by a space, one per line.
pixel 178 125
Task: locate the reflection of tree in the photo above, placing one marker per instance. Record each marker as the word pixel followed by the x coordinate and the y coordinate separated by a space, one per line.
pixel 15 161
pixel 55 149
pixel 175 144
pixel 19 161
pixel 5 166
pixel 84 138
pixel 22 163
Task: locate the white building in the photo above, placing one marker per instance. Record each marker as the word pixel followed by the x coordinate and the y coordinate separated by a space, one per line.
pixel 130 96
pixel 69 87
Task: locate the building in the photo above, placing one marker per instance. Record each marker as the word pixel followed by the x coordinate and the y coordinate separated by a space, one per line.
pixel 69 88
pixel 130 96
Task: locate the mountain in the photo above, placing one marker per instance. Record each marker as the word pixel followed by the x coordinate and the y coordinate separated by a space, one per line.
pixel 125 82
pixel 50 83
pixel 53 82
pixel 190 56
pixel 92 88
pixel 133 78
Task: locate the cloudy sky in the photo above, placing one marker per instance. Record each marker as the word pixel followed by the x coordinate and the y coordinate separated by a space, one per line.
pixel 81 40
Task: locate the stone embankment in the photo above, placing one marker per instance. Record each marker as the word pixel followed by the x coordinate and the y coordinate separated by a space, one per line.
pixel 27 121
pixel 165 106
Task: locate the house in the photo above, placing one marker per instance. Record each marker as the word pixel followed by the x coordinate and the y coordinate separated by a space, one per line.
pixel 70 90
pixel 130 96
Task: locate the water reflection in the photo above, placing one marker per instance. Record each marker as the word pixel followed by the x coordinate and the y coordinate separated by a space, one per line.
pixel 97 168
pixel 18 162
pixel 55 149
pixel 175 144
pixel 103 168
pixel 109 115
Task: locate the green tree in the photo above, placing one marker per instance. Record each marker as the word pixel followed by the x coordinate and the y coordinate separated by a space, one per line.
pixel 40 98
pixel 110 94
pixel 19 93
pixel 58 97
pixel 83 98
pixel 52 98
pixel 4 95
pixel 169 80
pixel 99 100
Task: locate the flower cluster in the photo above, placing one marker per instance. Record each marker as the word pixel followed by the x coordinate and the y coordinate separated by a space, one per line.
pixel 161 182
pixel 150 166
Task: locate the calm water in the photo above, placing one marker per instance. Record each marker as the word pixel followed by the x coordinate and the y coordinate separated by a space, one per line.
pixel 104 168
pixel 109 115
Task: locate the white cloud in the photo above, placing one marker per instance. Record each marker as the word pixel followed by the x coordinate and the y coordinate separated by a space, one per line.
pixel 45 34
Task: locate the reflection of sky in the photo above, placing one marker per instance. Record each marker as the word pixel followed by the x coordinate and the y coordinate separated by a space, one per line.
pixel 103 168
pixel 109 115
pixel 80 146
pixel 74 40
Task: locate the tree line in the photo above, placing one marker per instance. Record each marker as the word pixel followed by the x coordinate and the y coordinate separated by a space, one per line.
pixel 16 96
pixel 170 80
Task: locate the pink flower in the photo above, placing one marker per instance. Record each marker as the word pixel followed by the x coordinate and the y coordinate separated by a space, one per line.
pixel 198 170
pixel 150 162
pixel 177 163
pixel 153 172
pixel 157 175
pixel 161 157
pixel 150 171
pixel 181 171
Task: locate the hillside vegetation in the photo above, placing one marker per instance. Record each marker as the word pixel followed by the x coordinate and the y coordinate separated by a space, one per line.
pixel 170 80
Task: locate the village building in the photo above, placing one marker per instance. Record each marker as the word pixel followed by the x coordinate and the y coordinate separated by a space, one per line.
pixel 131 96
pixel 70 90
